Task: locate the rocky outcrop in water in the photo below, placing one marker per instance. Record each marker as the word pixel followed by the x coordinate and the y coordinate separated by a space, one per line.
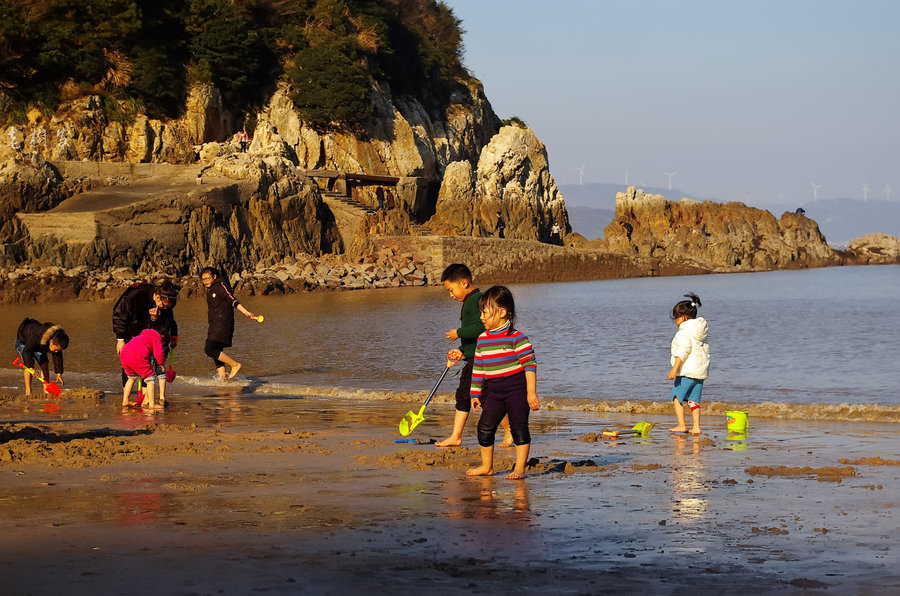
pixel 715 236
pixel 875 249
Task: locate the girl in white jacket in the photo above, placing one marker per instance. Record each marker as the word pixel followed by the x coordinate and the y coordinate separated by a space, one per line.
pixel 690 362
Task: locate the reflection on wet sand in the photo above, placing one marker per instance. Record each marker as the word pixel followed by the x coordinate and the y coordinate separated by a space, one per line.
pixel 688 480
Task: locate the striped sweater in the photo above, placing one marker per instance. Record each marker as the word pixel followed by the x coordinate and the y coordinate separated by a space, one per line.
pixel 500 353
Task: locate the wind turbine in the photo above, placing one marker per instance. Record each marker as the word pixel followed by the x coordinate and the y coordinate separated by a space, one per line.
pixel 887 192
pixel 865 190
pixel 670 174
pixel 815 188
pixel 580 174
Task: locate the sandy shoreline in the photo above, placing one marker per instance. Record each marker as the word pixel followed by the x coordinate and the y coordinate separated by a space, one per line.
pixel 230 495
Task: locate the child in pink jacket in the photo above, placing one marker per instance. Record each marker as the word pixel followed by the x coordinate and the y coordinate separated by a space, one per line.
pixel 135 357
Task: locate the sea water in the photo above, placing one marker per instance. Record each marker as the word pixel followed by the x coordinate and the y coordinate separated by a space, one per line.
pixel 804 340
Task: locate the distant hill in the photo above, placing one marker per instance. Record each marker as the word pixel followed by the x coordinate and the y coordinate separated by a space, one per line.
pixel 589 222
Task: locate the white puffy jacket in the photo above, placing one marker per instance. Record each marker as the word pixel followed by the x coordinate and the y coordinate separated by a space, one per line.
pixel 690 345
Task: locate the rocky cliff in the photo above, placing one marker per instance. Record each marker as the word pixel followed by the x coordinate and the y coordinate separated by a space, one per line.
pixel 512 178
pixel 404 155
pixel 715 236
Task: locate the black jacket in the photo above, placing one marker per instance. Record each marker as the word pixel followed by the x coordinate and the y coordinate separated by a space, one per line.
pixel 131 314
pixel 36 337
pixel 221 303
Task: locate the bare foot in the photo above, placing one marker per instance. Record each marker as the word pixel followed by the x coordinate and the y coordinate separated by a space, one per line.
pixel 678 429
pixel 158 406
pixel 695 431
pixel 128 404
pixel 234 370
pixel 515 475
pixel 449 442
pixel 507 440
pixel 480 471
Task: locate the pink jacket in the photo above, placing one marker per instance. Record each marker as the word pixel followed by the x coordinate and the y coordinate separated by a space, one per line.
pixel 148 343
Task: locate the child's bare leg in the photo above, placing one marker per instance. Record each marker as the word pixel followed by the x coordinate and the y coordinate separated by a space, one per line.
pixel 27 382
pixel 455 438
pixel 487 463
pixel 507 435
pixel 126 392
pixel 234 364
pixel 679 414
pixel 150 400
pixel 518 472
pixel 221 372
pixel 162 391
pixel 695 414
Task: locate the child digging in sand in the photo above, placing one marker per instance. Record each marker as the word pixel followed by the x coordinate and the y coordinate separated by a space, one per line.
pixel 457 279
pixel 690 361
pixel 136 359
pixel 505 364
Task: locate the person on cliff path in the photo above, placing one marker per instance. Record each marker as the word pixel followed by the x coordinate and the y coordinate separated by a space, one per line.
pixel 690 362
pixel 501 226
pixel 505 364
pixel 457 279
pixel 40 342
pixel 220 302
pixel 139 307
pixel 138 358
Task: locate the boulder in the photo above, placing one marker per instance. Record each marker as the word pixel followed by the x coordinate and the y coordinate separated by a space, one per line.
pixel 875 249
pixel 512 178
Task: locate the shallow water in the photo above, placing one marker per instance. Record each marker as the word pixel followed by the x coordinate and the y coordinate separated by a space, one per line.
pixel 815 343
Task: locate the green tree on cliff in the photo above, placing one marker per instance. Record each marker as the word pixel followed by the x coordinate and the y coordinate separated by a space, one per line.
pixel 146 52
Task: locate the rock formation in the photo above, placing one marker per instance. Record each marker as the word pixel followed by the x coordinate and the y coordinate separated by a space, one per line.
pixel 875 249
pixel 715 236
pixel 513 178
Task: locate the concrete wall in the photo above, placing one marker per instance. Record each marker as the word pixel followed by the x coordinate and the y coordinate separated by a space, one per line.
pixel 107 169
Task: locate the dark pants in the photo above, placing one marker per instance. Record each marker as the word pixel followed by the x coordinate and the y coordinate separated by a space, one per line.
pixel 213 349
pixel 507 396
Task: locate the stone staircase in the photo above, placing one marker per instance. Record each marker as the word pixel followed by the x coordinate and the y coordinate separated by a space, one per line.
pixel 330 195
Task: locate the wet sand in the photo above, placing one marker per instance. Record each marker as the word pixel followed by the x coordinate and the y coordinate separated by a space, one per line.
pixel 231 494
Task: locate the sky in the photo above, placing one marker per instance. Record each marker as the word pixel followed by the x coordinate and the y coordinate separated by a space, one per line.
pixel 740 100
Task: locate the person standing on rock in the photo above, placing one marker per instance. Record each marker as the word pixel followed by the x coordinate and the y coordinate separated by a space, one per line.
pixel 501 225
pixel 220 302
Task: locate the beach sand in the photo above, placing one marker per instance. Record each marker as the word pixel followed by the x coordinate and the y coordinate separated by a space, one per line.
pixel 222 494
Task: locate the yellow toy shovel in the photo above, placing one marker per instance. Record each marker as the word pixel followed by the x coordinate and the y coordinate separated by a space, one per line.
pixel 412 419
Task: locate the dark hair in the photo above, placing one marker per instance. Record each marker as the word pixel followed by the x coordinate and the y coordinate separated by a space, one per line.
pixel 60 338
pixel 167 291
pixel 456 272
pixel 687 308
pixel 211 270
pixel 499 297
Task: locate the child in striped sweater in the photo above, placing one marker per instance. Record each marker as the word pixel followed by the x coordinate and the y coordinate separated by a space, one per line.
pixel 505 363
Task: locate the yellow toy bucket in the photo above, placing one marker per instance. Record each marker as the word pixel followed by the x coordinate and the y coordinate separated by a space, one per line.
pixel 737 421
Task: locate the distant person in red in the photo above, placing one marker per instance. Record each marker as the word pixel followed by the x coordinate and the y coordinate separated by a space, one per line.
pixel 220 302
pixel 243 140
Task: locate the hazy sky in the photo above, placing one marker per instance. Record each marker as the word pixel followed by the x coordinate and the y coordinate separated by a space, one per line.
pixel 744 100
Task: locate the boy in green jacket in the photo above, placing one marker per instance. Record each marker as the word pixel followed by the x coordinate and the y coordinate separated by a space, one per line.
pixel 457 279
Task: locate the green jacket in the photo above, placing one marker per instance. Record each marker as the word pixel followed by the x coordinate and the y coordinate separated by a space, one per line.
pixel 470 325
